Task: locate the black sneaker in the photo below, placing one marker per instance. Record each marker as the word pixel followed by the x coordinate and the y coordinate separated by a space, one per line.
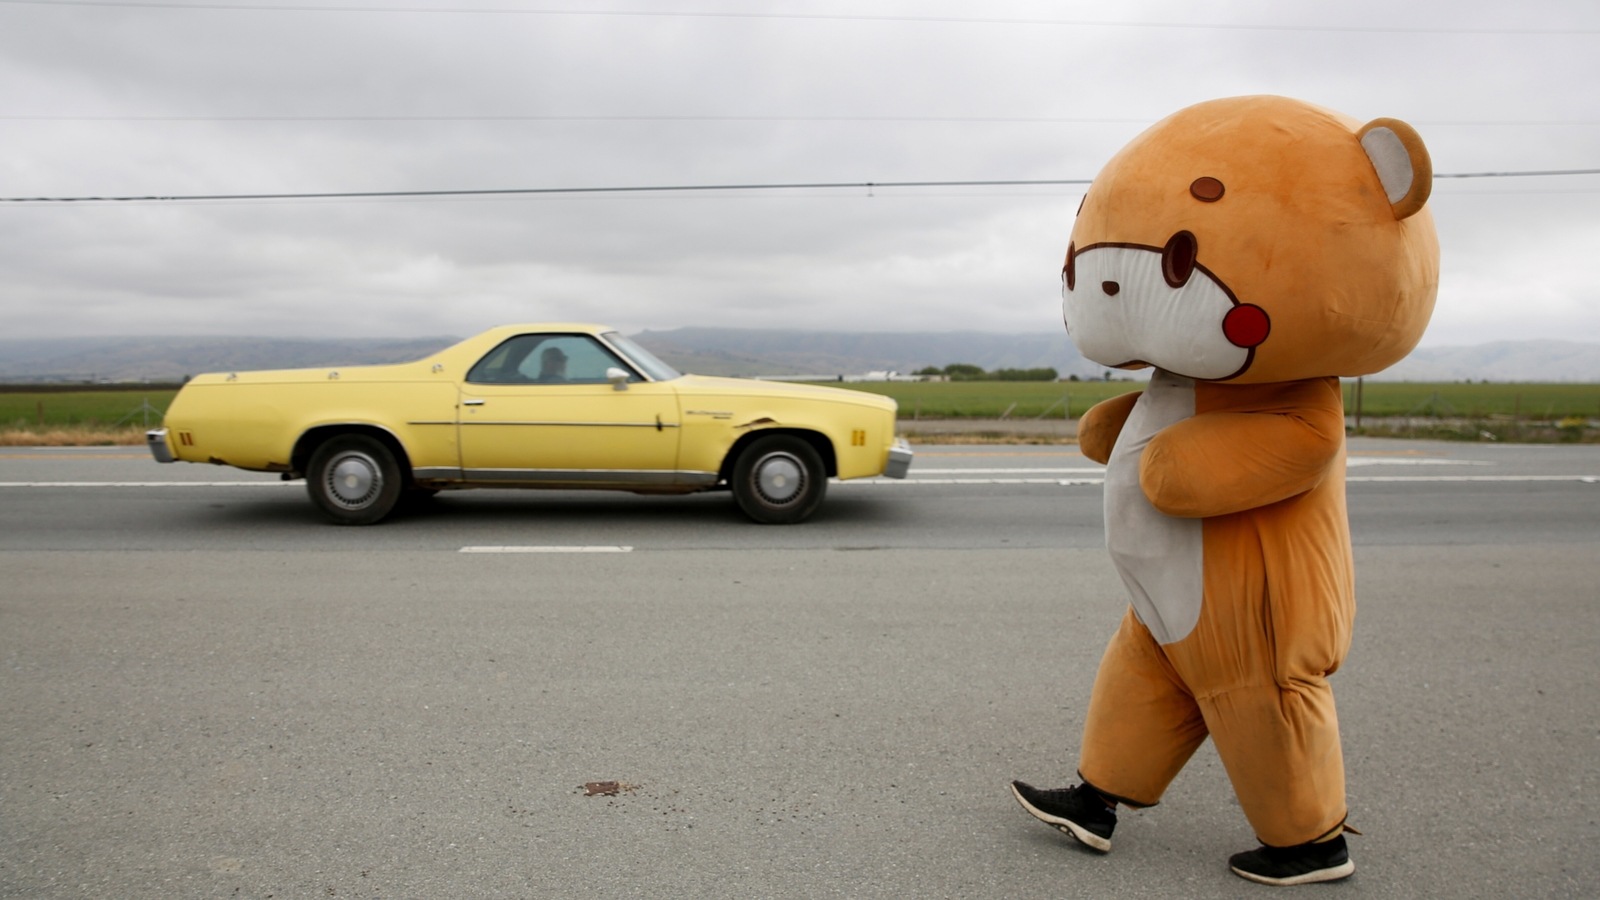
pixel 1077 810
pixel 1300 864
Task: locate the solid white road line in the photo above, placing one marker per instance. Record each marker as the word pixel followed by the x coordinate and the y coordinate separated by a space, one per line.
pixel 142 484
pixel 915 479
pixel 1585 479
pixel 1091 470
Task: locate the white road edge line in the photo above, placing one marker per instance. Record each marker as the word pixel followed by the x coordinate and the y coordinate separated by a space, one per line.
pixel 1586 479
pixel 1090 470
pixel 145 484
pixel 1354 479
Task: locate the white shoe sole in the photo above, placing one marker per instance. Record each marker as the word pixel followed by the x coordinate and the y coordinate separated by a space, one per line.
pixel 1333 873
pixel 1084 836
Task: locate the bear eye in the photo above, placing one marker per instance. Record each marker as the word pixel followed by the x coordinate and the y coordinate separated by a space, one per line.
pixel 1206 189
pixel 1069 269
pixel 1178 257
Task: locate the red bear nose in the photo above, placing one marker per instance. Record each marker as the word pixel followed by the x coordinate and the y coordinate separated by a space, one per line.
pixel 1246 325
pixel 1110 287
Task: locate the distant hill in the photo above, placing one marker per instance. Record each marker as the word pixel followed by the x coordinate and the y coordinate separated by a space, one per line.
pixel 728 351
pixel 1501 361
pixel 736 351
pixel 172 358
pixel 749 352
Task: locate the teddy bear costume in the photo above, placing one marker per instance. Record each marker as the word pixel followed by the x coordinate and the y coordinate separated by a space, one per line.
pixel 1250 250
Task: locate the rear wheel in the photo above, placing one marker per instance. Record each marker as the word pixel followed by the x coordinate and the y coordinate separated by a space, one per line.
pixel 354 480
pixel 779 480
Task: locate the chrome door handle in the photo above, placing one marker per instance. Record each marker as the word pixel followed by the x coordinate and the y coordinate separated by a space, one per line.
pixel 472 403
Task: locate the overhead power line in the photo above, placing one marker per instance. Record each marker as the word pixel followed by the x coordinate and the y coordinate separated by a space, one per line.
pixel 648 189
pixel 824 17
pixel 636 189
pixel 1045 120
pixel 1517 174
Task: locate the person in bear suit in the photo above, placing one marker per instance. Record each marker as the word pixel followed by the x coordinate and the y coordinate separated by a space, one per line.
pixel 1249 251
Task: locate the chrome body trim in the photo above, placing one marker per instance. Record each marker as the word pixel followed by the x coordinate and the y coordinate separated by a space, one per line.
pixel 900 456
pixel 156 440
pixel 656 425
pixel 553 477
pixel 437 473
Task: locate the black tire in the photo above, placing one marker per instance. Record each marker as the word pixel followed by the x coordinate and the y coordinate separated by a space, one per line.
pixel 354 480
pixel 779 480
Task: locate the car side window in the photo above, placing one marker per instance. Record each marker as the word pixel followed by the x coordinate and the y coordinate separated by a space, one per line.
pixel 548 359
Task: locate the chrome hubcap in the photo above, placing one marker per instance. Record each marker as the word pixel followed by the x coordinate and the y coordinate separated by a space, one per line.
pixel 779 478
pixel 354 480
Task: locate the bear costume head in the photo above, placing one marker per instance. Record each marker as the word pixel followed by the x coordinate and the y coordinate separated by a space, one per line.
pixel 1255 240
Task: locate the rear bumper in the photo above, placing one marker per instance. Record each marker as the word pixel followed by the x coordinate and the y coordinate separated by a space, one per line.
pixel 156 440
pixel 899 459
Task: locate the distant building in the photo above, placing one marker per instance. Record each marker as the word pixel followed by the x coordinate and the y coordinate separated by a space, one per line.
pixel 883 376
pixel 867 376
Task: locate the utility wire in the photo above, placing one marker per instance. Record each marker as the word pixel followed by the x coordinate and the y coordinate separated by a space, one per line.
pixel 1517 174
pixel 1049 120
pixel 656 188
pixel 637 189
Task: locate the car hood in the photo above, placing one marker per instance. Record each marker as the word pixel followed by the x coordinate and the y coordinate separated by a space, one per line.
pixel 712 386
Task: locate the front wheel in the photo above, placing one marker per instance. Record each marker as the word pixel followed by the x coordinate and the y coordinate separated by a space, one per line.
pixel 354 480
pixel 779 480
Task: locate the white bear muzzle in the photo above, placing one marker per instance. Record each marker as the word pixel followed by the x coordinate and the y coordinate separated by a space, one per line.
pixel 1123 309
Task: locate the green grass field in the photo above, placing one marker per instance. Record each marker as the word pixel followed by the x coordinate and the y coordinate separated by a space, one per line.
pixel 125 414
pixel 1475 401
pixel 989 399
pixel 87 408
pixel 992 399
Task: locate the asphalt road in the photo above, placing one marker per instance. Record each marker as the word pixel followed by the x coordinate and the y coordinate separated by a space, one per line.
pixel 208 693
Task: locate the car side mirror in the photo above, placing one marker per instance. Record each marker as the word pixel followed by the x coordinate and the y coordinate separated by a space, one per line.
pixel 618 378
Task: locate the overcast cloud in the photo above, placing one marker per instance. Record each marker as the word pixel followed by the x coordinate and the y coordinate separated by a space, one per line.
pixel 312 96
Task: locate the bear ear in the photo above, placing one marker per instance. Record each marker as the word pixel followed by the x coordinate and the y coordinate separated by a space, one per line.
pixel 1397 153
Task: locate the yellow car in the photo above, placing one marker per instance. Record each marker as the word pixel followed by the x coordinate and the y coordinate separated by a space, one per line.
pixel 533 406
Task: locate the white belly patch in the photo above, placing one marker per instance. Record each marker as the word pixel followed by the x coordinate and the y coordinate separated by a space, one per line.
pixel 1159 556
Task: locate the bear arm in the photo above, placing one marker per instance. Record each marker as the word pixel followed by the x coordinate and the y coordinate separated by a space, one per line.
pixel 1099 427
pixel 1225 462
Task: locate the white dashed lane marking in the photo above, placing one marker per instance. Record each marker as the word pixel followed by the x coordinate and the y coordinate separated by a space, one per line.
pixel 547 549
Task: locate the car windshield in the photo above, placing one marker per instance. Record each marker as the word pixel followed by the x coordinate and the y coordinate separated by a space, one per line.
pixel 644 359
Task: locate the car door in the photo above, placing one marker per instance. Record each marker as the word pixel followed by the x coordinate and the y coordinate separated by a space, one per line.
pixel 541 409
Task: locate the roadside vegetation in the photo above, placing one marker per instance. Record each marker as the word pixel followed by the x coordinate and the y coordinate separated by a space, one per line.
pixel 1455 410
pixel 969 372
pixel 83 416
pixel 99 415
